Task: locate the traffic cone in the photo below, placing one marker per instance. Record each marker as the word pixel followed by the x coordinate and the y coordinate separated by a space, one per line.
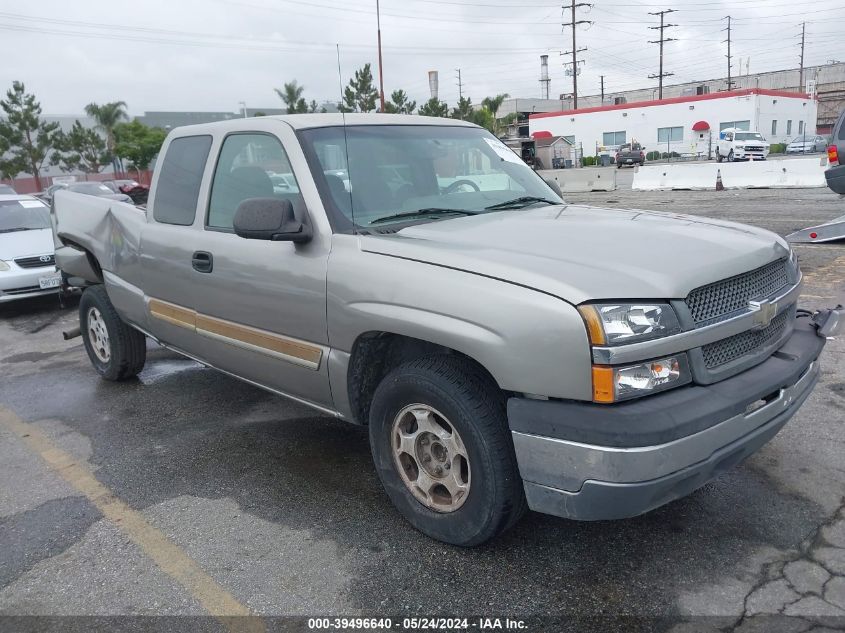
pixel 719 185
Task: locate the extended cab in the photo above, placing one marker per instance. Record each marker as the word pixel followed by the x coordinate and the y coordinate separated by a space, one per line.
pixel 506 349
pixel 735 144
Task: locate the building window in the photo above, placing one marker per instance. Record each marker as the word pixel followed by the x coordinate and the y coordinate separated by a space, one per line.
pixel 740 125
pixel 619 100
pixel 774 127
pixel 789 127
pixel 613 138
pixel 669 134
pixel 800 127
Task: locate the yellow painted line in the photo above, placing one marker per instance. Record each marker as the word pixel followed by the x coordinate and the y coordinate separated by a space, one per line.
pixel 169 557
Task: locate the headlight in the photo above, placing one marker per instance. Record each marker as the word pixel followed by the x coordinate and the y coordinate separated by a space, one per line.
pixel 4 266
pixel 614 324
pixel 612 384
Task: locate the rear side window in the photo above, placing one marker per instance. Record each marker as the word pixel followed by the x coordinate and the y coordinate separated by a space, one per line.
pixel 841 134
pixel 179 181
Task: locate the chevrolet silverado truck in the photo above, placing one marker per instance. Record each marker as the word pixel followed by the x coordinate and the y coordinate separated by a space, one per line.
pixel 506 350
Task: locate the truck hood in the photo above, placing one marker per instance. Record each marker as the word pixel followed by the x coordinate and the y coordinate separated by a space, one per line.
pixel 581 253
pixel 26 244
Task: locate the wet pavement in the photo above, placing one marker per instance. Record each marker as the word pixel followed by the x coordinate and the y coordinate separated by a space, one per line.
pixel 185 490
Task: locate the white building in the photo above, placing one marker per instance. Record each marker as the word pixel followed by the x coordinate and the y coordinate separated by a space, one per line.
pixel 687 125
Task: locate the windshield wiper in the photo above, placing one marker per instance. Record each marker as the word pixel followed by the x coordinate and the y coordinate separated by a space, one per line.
pixel 420 213
pixel 518 203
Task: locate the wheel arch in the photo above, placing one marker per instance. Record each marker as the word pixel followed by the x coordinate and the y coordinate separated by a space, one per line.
pixel 376 352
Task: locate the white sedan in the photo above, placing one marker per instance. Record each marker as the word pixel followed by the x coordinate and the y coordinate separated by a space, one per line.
pixel 27 260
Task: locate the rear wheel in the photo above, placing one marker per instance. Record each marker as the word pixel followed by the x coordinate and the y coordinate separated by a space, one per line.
pixel 443 451
pixel 117 351
pixel 718 156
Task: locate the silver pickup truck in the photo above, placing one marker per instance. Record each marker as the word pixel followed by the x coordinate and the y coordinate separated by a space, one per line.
pixel 507 350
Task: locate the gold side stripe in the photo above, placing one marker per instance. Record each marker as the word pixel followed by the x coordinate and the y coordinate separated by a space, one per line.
pixel 243 336
pixel 172 313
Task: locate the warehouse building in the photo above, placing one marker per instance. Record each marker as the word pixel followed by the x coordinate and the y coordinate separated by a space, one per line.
pixel 688 125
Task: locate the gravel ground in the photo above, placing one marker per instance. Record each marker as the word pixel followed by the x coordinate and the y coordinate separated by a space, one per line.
pixel 204 495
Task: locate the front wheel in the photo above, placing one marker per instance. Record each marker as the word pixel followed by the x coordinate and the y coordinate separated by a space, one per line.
pixel 443 451
pixel 731 156
pixel 117 351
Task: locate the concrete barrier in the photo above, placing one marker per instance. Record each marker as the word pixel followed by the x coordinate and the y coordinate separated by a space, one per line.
pixel 581 179
pixel 775 174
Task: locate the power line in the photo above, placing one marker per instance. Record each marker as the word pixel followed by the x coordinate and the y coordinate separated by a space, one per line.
pixel 575 50
pixel 660 75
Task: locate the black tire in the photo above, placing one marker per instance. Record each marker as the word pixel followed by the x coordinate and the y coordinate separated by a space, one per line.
pixel 731 156
pixel 126 346
pixel 718 157
pixel 475 407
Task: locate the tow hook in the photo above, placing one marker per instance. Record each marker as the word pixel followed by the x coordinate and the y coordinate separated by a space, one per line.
pixel 829 323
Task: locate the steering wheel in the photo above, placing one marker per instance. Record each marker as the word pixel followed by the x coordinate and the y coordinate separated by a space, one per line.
pixel 460 183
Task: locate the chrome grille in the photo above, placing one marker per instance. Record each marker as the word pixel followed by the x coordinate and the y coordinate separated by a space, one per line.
pixel 719 300
pixel 37 261
pixel 737 346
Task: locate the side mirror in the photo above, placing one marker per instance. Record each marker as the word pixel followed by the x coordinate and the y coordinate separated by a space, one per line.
pixel 554 186
pixel 269 219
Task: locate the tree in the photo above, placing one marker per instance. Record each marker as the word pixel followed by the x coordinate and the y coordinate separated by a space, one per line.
pixel 138 143
pixel 27 137
pixel 81 149
pixel 107 116
pixel 291 95
pixel 494 103
pixel 434 107
pixel 360 95
pixel 463 109
pixel 312 107
pixel 399 103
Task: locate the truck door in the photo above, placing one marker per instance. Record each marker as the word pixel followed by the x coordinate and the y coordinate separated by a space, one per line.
pixel 262 310
pixel 168 243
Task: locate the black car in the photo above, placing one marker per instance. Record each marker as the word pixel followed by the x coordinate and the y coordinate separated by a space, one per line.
pixel 835 175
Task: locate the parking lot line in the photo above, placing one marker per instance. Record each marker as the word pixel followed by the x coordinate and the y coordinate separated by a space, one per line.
pixel 169 557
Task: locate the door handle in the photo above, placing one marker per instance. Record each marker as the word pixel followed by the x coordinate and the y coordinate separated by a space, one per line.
pixel 202 261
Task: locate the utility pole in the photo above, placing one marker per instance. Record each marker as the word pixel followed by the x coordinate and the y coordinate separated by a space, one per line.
pixel 575 50
pixel 380 66
pixel 602 89
pixel 730 80
pixel 801 71
pixel 460 84
pixel 659 76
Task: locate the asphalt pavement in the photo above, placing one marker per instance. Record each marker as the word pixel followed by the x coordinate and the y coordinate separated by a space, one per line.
pixel 186 492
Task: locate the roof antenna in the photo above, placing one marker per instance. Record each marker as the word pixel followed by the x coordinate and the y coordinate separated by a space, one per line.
pixel 346 143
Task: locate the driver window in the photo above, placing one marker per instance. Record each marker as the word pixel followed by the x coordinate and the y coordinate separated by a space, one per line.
pixel 249 166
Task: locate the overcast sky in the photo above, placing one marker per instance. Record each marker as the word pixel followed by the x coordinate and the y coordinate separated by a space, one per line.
pixel 211 55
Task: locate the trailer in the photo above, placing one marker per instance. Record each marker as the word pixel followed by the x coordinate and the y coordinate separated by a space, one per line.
pixel 829 232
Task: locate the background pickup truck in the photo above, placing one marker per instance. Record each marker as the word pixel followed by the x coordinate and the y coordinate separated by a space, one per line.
pixel 506 350
pixel 630 154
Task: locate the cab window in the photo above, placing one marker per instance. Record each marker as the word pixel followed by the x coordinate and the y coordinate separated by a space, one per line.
pixel 180 179
pixel 250 165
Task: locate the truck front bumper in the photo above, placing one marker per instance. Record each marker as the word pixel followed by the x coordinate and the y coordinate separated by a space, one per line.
pixel 592 462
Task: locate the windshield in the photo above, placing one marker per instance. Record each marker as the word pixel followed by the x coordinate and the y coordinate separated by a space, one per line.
pixel 397 170
pixel 748 136
pixel 92 189
pixel 23 215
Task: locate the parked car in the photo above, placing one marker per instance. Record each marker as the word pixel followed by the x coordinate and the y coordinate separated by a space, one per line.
pixel 835 174
pixel 806 145
pixel 505 349
pixel 6 190
pixel 47 194
pixel 97 189
pixel 630 154
pixel 735 144
pixel 27 263
pixel 132 188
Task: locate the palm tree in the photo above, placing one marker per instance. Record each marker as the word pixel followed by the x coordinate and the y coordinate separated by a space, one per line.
pixel 494 103
pixel 292 96
pixel 107 116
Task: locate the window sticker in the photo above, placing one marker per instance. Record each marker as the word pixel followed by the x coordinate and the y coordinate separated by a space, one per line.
pixel 504 152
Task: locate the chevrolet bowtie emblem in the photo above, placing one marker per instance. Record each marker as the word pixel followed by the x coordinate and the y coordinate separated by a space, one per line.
pixel 764 312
